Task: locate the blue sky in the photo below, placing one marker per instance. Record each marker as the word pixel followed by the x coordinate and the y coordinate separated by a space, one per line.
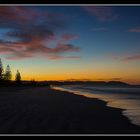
pixel 70 39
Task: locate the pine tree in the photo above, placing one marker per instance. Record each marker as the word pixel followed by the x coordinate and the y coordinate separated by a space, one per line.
pixel 1 70
pixel 18 77
pixel 8 74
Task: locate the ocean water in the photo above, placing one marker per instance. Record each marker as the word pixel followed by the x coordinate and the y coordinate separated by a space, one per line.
pixel 124 98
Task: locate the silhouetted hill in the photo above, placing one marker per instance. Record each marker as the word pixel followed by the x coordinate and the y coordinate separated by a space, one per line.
pixel 61 83
pixel 117 83
pixel 93 83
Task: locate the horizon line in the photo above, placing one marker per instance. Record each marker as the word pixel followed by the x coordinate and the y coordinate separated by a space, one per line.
pixel 80 80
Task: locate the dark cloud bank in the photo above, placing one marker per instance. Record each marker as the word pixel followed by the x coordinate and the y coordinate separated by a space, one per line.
pixel 29 33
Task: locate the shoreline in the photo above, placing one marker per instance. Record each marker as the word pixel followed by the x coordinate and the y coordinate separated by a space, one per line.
pixel 41 110
pixel 94 96
pixel 89 95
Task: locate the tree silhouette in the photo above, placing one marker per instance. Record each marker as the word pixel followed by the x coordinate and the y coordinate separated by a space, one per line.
pixel 18 77
pixel 1 70
pixel 8 74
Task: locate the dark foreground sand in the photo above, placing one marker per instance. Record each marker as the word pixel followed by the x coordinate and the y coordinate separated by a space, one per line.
pixel 44 111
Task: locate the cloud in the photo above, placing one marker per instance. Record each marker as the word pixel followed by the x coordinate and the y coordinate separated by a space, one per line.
pixel 102 13
pixel 60 48
pixel 29 29
pixel 34 49
pixel 136 30
pixel 111 79
pixel 125 58
pixel 131 58
pixel 67 37
pixel 115 79
pixel 57 57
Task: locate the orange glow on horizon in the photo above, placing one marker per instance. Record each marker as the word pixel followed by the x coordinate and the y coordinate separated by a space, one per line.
pixel 81 70
pixel 60 78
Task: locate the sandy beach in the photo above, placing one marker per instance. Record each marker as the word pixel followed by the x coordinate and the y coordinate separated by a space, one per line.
pixel 41 110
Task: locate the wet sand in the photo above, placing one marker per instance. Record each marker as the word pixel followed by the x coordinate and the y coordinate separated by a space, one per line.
pixel 40 110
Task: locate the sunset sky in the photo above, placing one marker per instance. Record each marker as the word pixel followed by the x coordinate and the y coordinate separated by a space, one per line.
pixel 72 42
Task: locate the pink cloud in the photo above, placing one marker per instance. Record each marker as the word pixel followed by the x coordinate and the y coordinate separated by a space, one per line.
pixel 34 48
pixel 65 48
pixel 24 15
pixel 57 57
pixel 67 37
pixel 132 57
pixel 31 34
pixel 102 13
pixel 125 58
pixel 137 30
pixel 17 14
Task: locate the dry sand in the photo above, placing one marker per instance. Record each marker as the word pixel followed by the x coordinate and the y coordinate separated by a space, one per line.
pixel 40 110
